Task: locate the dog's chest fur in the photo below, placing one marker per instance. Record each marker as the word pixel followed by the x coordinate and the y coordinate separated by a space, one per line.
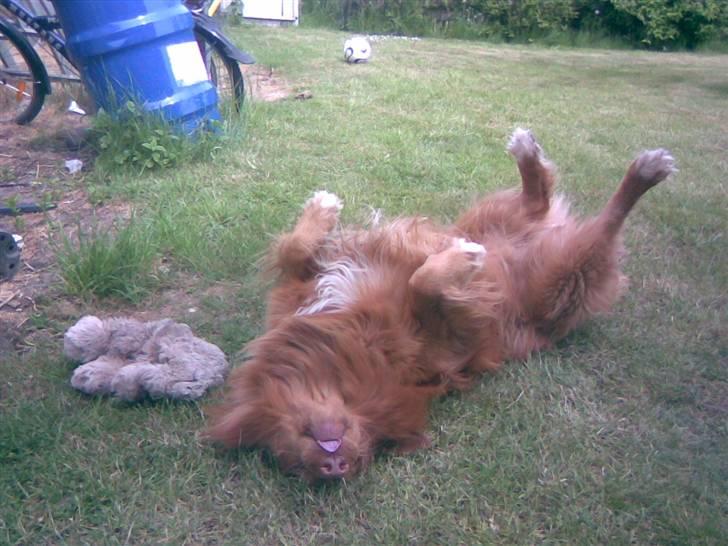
pixel 360 266
pixel 339 285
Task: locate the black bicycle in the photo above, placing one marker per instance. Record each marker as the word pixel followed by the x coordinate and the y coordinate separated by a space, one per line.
pixel 33 55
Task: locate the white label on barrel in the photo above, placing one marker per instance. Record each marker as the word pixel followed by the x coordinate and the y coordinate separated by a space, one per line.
pixel 186 62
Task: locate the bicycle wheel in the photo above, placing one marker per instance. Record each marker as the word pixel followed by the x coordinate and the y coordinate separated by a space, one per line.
pixel 23 79
pixel 224 73
pixel 67 84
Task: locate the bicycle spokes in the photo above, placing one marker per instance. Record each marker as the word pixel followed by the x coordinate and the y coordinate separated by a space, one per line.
pixel 21 91
pixel 16 89
pixel 21 94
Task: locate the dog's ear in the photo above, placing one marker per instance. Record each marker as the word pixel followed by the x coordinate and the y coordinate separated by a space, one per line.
pixel 241 423
pixel 399 416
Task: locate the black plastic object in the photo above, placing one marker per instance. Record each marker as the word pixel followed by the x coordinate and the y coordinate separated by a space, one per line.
pixel 210 29
pixel 24 208
pixel 9 256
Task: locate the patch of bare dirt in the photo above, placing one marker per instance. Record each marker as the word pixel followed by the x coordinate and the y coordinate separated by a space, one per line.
pixel 33 171
pixel 32 164
pixel 266 85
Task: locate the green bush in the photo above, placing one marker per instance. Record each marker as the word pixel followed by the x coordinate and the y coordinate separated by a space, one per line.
pixel 525 18
pixel 642 23
pixel 142 141
pixel 667 23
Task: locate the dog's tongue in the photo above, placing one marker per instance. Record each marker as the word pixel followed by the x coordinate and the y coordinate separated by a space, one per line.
pixel 330 446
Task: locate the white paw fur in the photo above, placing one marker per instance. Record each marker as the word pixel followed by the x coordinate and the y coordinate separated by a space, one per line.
pixel 326 200
pixel 655 165
pixel 476 252
pixel 523 144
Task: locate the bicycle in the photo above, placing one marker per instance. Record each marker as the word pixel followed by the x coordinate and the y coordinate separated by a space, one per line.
pixel 30 42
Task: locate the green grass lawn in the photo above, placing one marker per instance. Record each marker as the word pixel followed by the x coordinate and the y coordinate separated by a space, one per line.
pixel 617 436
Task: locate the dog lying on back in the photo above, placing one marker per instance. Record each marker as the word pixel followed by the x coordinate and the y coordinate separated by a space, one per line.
pixel 365 327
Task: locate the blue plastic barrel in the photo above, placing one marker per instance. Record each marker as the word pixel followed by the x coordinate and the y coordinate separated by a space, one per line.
pixel 143 50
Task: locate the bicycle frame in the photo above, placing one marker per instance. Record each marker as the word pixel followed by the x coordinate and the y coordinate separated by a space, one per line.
pixel 46 26
pixel 41 24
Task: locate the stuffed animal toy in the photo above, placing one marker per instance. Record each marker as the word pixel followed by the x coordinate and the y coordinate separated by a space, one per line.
pixel 130 359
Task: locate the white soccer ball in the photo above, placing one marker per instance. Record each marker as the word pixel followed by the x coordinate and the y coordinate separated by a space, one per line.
pixel 357 50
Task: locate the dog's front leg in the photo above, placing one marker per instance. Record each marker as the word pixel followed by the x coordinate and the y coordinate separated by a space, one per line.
pixel 445 297
pixel 457 306
pixel 450 269
pixel 294 253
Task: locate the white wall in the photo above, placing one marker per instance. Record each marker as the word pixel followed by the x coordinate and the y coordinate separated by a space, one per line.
pixel 271 10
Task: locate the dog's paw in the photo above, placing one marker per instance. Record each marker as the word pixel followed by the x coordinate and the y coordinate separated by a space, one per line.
pixel 322 211
pixel 325 200
pixel 474 252
pixel 454 267
pixel 653 166
pixel 523 144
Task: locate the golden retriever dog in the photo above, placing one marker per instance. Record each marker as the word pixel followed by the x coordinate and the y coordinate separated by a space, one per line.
pixel 366 326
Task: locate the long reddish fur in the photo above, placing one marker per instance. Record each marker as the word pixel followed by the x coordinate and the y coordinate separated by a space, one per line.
pixel 424 316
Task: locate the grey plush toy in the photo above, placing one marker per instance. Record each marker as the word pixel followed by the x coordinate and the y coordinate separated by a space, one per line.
pixel 130 359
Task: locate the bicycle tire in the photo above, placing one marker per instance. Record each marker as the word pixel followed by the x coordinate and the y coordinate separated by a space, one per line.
pixel 222 70
pixel 65 78
pixel 34 72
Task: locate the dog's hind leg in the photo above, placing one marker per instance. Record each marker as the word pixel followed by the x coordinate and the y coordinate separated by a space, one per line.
pixel 573 272
pixel 647 170
pixel 537 172
pixel 294 253
pixel 510 212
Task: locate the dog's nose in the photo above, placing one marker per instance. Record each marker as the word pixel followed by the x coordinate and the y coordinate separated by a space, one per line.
pixel 333 467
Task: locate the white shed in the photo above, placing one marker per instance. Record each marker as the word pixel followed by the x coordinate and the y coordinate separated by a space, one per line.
pixel 273 12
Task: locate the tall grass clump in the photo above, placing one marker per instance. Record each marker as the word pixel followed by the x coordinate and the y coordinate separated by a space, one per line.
pixel 136 140
pixel 99 262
